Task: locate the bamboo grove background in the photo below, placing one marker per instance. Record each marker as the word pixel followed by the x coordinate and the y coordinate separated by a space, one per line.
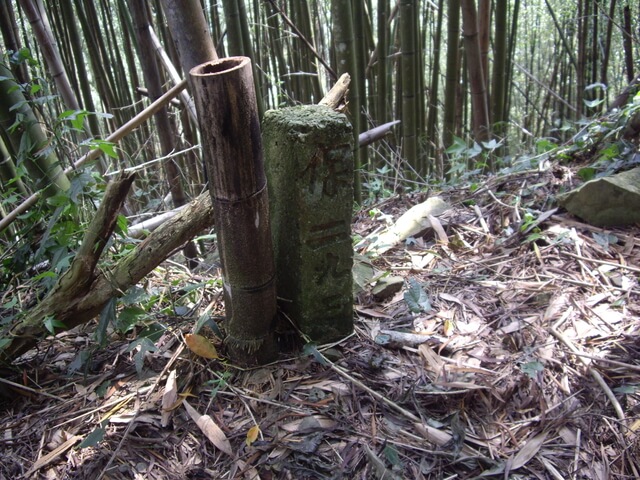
pixel 505 74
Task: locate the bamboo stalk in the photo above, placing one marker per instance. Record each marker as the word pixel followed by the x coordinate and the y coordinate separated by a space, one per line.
pixel 115 137
pixel 232 150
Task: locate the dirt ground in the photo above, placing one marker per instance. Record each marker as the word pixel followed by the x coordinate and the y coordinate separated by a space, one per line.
pixel 523 363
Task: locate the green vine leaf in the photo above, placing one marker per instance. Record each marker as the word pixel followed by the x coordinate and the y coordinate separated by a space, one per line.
pixel 50 323
pixel 416 298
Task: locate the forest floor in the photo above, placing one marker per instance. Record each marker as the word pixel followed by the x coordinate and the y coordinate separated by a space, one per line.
pixel 526 367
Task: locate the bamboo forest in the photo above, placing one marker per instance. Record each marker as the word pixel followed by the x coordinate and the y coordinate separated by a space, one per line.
pixel 289 239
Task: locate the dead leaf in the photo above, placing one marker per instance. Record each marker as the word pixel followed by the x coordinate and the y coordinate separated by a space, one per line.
pixel 51 456
pixel 433 361
pixel 306 444
pixel 437 228
pixel 459 301
pixel 210 429
pixel 450 298
pixel 448 328
pixel 381 471
pixel 200 345
pixel 634 427
pixel 516 326
pixel 529 450
pixel 169 398
pixel 421 260
pixel 371 312
pixel 315 422
pixel 252 435
pixel 557 306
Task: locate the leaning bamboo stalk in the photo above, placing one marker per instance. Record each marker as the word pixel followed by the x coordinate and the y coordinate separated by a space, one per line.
pixel 115 137
pixel 173 73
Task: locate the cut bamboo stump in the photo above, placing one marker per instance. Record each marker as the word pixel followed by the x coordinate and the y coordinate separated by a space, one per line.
pixel 232 149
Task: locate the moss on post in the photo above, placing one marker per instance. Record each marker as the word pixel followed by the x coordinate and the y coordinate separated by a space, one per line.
pixel 309 166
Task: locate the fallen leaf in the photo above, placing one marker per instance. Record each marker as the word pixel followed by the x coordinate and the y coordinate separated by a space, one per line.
pixel 252 435
pixel 529 450
pixel 378 465
pixel 307 443
pixel 439 231
pixel 200 345
pixel 169 398
pixel 432 360
pixel 372 313
pixel 53 455
pixel 557 306
pixel 459 301
pixel 420 260
pixel 417 299
pixel 448 328
pixel 212 431
pixel 307 424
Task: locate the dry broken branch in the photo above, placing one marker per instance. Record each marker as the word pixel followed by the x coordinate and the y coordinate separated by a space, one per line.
pixel 336 98
pixel 81 293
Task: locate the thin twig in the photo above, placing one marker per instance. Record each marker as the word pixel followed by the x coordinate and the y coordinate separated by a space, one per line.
pixel 29 389
pixel 119 447
pixel 594 373
pixel 635 368
pixel 602 262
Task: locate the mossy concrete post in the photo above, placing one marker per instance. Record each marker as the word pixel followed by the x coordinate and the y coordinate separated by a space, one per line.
pixel 309 167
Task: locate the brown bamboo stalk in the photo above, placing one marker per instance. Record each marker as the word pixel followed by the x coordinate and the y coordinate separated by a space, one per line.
pixel 627 44
pixel 232 149
pixel 480 108
pixel 452 78
pixel 484 36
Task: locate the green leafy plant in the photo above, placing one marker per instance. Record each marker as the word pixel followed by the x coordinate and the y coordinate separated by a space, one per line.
pixel 143 345
pixel 532 369
pixel 628 389
pixel 416 297
pixel 218 384
pixel 379 184
pixel 96 436
pixel 310 349
pixel 51 324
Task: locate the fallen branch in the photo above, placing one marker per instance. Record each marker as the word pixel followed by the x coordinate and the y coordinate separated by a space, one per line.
pixel 336 98
pixel 412 222
pixel 140 229
pixel 82 292
pixel 375 134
